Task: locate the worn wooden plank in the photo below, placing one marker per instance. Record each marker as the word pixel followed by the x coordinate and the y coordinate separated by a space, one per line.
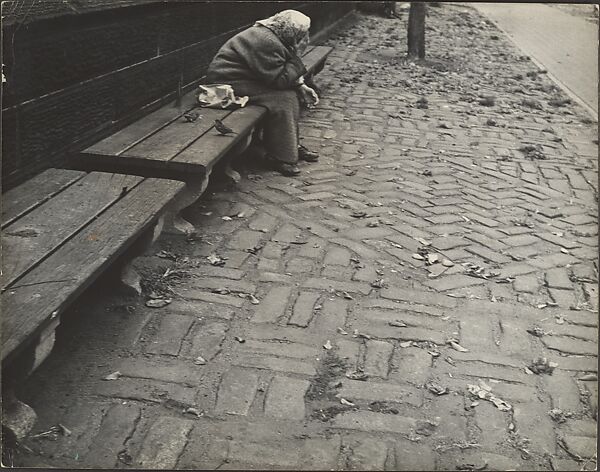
pixel 57 281
pixel 172 139
pixel 36 191
pixel 213 146
pixel 37 234
pixel 124 139
pixel 314 58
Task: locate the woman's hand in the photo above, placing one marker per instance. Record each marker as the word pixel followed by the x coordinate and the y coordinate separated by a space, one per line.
pixel 308 96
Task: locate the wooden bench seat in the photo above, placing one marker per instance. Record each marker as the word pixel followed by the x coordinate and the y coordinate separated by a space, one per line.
pixel 165 144
pixel 60 231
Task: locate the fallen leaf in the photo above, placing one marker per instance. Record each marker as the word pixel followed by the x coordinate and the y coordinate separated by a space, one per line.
pixel 397 324
pixel 200 360
pixel 489 396
pixel 588 377
pixel 343 401
pixel 379 283
pixel 437 388
pixel 357 375
pixel 542 366
pixel 358 214
pixel 216 260
pixel 64 430
pixel 536 331
pixel 226 218
pixel 557 415
pixel 342 331
pixel 433 258
pixel 425 428
pixel 457 347
pixel 158 303
pixel 500 404
pixel 194 411
pixel 406 344
pixel 328 345
pixel 240 340
pixel 419 257
pixel 221 291
pixel 114 376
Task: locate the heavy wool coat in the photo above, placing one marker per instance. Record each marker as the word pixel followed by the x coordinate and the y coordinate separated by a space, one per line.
pixel 256 63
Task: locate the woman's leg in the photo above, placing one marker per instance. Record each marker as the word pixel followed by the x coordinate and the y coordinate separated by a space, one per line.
pixel 280 126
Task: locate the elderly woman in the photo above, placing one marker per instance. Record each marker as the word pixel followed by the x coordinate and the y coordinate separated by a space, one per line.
pixel 263 63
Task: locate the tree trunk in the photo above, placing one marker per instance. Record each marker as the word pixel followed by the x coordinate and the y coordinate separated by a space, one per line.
pixel 416 30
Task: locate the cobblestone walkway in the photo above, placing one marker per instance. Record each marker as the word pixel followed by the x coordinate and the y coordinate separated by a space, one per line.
pixel 381 311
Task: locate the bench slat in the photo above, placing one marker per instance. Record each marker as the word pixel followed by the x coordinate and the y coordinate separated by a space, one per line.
pixel 172 139
pixel 35 191
pixel 141 129
pixel 31 238
pixel 208 150
pixel 317 56
pixel 55 283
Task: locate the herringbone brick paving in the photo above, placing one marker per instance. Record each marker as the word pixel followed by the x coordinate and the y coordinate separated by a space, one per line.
pixel 323 342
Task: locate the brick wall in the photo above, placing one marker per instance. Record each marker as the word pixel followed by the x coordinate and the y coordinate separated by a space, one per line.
pixel 77 71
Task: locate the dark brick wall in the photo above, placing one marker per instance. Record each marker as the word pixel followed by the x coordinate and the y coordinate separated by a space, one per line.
pixel 77 76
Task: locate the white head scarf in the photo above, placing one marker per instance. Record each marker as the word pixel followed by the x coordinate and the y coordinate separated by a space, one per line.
pixel 290 26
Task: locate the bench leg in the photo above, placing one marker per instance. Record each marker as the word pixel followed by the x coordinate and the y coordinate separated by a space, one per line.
pixel 238 149
pixel 232 173
pixel 45 343
pixel 170 221
pixel 18 418
pixel 174 222
pixel 130 279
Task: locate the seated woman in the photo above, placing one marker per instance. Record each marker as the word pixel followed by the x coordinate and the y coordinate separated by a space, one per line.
pixel 263 63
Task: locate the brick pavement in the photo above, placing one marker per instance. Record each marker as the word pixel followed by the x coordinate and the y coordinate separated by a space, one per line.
pixel 323 342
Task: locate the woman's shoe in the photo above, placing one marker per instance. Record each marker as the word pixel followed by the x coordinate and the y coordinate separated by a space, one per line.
pixel 284 168
pixel 306 155
pixel 289 170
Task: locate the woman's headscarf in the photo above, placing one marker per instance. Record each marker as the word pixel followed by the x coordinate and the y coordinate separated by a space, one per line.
pixel 290 26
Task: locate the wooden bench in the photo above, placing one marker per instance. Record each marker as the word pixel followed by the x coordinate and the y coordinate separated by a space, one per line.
pixel 63 228
pixel 165 144
pixel 60 231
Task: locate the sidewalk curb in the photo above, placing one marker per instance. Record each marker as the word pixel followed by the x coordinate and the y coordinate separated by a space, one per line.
pixel 541 66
